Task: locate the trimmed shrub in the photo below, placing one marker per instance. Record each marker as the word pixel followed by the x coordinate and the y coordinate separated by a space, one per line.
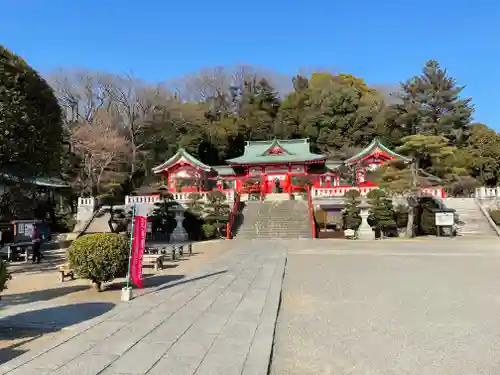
pixel 351 214
pixel 99 257
pixel 382 214
pixel 209 231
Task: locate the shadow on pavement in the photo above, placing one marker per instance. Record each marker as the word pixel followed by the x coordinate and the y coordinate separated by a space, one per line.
pixel 18 332
pixel 191 279
pixel 150 281
pixel 40 295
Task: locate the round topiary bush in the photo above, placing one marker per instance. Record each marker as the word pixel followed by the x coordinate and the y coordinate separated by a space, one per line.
pixel 99 257
pixel 209 231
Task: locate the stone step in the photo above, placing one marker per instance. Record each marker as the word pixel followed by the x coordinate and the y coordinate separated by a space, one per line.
pixel 275 219
pixel 472 222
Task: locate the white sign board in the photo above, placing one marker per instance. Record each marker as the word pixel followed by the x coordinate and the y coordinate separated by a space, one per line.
pixel 444 219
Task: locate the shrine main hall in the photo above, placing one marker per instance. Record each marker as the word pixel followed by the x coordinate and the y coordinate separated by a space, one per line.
pixel 284 164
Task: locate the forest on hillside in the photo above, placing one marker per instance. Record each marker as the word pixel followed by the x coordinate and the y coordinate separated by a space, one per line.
pixel 124 127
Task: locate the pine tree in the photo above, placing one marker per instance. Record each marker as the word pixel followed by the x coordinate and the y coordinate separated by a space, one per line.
pixel 351 214
pixel 216 210
pixel 258 110
pixel 431 105
pixel 381 214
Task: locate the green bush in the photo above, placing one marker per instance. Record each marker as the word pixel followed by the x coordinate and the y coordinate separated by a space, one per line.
pixel 351 214
pixel 4 275
pixel 99 257
pixel 381 211
pixel 495 216
pixel 209 231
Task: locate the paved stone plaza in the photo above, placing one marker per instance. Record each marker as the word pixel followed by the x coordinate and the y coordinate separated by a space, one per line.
pixel 420 307
pixel 390 307
pixel 218 321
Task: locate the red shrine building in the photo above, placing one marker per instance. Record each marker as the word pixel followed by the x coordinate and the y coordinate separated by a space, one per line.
pixel 266 165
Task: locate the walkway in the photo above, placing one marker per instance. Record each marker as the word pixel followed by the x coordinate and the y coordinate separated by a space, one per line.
pixel 218 321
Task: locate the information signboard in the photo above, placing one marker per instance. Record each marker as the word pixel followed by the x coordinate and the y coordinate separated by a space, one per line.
pixel 445 219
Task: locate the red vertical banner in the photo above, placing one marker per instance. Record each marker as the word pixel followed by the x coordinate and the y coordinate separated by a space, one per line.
pixel 138 244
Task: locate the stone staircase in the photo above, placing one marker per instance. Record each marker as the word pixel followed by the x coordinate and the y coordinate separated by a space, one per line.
pixel 275 219
pixel 472 221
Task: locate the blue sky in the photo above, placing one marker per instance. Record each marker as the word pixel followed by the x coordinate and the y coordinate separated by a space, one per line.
pixel 383 42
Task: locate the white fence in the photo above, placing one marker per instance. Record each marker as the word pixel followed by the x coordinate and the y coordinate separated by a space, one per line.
pixel 86 201
pixel 316 193
pixel 179 197
pixel 339 192
pixel 487 193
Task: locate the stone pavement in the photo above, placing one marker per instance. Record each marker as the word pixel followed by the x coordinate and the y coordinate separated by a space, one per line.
pixel 424 307
pixel 219 321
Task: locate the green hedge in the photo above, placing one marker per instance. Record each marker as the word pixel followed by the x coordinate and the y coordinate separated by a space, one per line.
pixel 99 257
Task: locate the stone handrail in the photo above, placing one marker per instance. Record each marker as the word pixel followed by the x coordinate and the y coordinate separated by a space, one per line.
pixel 488 217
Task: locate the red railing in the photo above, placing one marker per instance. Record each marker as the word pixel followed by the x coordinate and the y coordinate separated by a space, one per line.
pixel 311 211
pixel 232 215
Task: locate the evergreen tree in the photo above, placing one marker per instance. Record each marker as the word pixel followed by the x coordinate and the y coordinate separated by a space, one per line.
pixel 427 152
pixel 291 114
pixel 333 111
pixel 480 155
pixel 431 105
pixel 382 213
pixel 351 214
pixel 31 131
pixel 258 110
pixel 216 210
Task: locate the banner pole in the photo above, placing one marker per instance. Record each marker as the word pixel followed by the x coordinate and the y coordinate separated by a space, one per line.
pixel 130 247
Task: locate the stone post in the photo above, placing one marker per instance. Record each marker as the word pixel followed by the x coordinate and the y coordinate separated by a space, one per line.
pixel 179 234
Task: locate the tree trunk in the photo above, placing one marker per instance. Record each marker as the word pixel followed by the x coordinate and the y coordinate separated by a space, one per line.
pixel 411 220
pixel 97 285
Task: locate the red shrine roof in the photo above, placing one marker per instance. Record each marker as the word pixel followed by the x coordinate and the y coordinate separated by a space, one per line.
pixel 376 149
pixel 277 151
pixel 182 157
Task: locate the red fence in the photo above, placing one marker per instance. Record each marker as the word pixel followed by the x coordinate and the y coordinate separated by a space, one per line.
pixel 311 212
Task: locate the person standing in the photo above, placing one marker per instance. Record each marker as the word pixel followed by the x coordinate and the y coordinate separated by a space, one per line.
pixel 37 243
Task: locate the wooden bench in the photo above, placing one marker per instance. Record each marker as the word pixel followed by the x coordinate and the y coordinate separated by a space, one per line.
pixel 65 271
pixel 155 259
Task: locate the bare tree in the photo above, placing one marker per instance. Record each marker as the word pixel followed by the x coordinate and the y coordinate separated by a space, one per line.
pixel 216 82
pixel 101 148
pixel 134 102
pixel 81 93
